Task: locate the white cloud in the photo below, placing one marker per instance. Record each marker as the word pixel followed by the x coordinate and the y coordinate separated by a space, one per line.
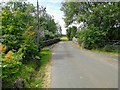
pixel 53 8
pixel 58 18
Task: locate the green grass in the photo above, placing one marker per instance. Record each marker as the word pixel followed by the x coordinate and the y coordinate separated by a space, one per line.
pixel 103 51
pixel 64 38
pixel 45 56
pixel 32 72
pixel 38 75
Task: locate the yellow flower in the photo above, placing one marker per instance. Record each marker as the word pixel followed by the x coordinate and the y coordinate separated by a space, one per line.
pixel 30 33
pixel 8 55
pixel 2 48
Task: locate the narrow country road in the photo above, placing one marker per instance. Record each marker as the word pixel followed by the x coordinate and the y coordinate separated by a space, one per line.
pixel 76 68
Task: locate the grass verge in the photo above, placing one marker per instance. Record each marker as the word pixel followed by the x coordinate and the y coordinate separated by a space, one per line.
pixel 38 78
pixel 64 38
pixel 103 51
pixel 116 53
pixel 28 75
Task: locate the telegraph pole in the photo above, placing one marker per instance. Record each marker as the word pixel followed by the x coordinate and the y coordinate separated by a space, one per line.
pixel 38 27
pixel 38 37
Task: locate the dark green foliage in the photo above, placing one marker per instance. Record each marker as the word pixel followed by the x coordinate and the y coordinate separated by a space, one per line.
pixel 11 69
pixel 101 22
pixel 18 24
pixel 71 31
pixel 30 50
pixel 20 35
pixel 91 38
pixel 50 42
pixel 49 26
pixel 112 48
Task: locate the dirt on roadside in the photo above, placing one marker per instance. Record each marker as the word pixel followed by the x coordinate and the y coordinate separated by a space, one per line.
pixel 47 77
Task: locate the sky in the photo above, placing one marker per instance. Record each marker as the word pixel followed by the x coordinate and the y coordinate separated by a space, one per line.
pixel 52 8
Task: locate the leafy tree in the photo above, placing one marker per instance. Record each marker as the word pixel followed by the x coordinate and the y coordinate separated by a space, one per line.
pixel 19 36
pixel 71 31
pixel 91 38
pixel 15 20
pixel 104 16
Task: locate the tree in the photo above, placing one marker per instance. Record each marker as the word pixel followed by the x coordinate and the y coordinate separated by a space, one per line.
pixel 71 32
pixel 104 16
pixel 19 18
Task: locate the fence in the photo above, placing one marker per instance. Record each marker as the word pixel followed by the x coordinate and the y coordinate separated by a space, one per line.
pixel 50 42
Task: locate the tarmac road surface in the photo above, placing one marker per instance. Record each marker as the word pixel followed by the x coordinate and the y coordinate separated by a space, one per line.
pixel 73 67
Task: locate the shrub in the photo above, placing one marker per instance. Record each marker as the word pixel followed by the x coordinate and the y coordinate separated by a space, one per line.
pixel 11 67
pixel 91 38
pixel 107 48
pixel 29 47
pixel 112 48
pixel 71 31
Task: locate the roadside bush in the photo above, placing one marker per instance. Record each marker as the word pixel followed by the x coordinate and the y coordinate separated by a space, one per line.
pixel 71 31
pixel 12 28
pixel 11 67
pixel 91 38
pixel 80 35
pixel 49 35
pixel 113 48
pixel 22 40
pixel 29 47
pixel 12 42
pixel 107 48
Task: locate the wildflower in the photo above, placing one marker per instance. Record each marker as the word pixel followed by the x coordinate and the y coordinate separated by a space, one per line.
pixel 30 33
pixel 8 55
pixel 2 48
